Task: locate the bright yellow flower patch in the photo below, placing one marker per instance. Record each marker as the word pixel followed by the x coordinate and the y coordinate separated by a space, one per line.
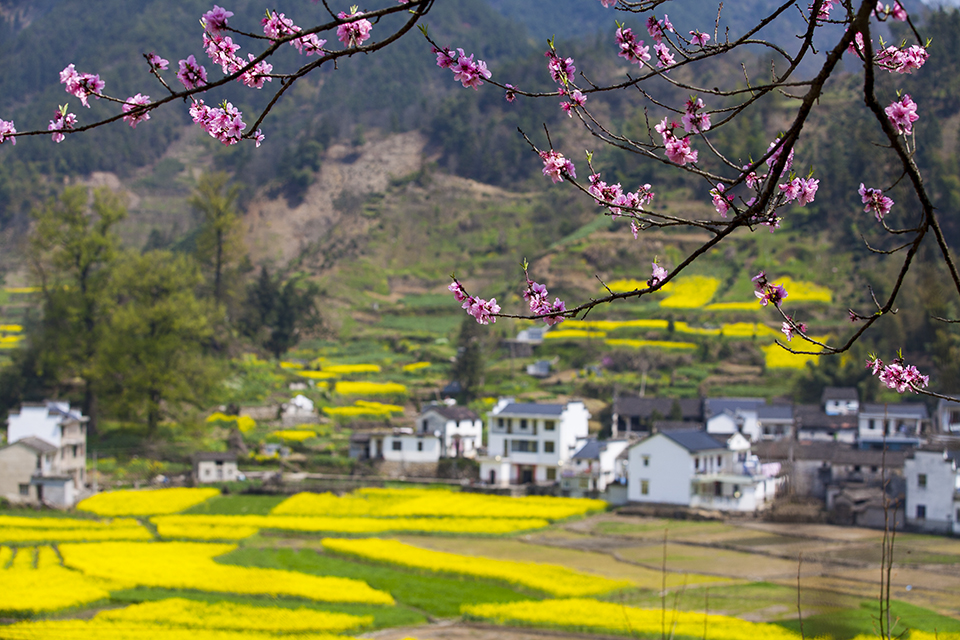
pixel 415 366
pixel 191 565
pixel 216 527
pixel 352 388
pixel 548 578
pixel 656 344
pixel 22 289
pixel 295 435
pixel 393 503
pixel 596 616
pixel 619 286
pixel 48 587
pixel 179 612
pixel 12 328
pixel 64 629
pixel 364 408
pixel 146 502
pixel 748 330
pixel 20 530
pixel 753 305
pixel 802 291
pixel 245 424
pixel 352 368
pixel 689 292
pixel 779 358
pixel 613 325
pixel 291 365
pixel 317 375
pixel 561 334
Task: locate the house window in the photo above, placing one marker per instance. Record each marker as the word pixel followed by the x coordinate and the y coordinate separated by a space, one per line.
pixel 24 489
pixel 523 446
pixel 696 464
pixel 419 445
pixel 551 472
pixel 644 487
pixel 500 422
pixel 506 444
pixel 856 468
pixel 921 512
pixel 397 445
pixel 954 416
pixel 719 461
pixel 548 447
pixel 423 427
pixel 550 425
pixel 646 461
pixel 523 423
pixel 873 469
pixel 922 480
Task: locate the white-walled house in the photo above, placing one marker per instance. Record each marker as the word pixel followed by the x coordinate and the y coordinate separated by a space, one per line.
pixel 948 416
pixel 401 445
pixel 933 490
pixel 593 465
pixel 531 443
pixel 726 416
pixel 896 425
pixel 459 429
pixel 57 424
pixel 29 474
pixel 840 401
pixel 695 469
pixel 215 466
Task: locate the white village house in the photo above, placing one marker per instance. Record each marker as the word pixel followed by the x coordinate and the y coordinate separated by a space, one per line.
pixel 215 466
pixel 531 443
pixel 933 490
pixel 593 466
pixel 54 437
pixel 459 429
pixel 29 475
pixel 695 469
pixel 895 426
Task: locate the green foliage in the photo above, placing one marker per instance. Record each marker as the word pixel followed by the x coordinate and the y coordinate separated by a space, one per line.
pixel 440 596
pixel 237 505
pixel 220 241
pixel 277 313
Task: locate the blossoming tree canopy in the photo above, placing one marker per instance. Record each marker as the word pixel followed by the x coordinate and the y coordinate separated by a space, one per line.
pixel 659 57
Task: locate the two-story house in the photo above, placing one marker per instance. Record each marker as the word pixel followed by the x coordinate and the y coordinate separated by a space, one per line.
pixel 948 416
pixel 593 466
pixel 531 443
pixel 933 490
pixel 57 424
pixel 726 416
pixel 896 426
pixel 840 401
pixel 459 429
pixel 696 469
pixel 28 474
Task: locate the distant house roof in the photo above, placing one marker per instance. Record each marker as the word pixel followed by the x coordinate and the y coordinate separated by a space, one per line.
pixel 590 450
pixel 775 412
pixel 906 409
pixel 660 426
pixel 533 409
pixel 694 440
pixel 832 452
pixel 691 409
pixel 453 412
pixel 810 417
pixel 839 393
pixel 214 456
pixel 715 406
pixel 37 444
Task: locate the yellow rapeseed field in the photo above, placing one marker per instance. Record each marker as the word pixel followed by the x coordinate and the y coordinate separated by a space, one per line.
pixel 216 527
pixel 354 388
pixel 596 616
pixel 548 578
pixel 415 366
pixel 656 344
pixel 191 565
pixel 394 503
pixel 690 292
pixel 351 368
pixel 566 334
pixel 613 325
pixel 295 435
pixel 146 502
pixel 20 530
pixel 364 408
pixel 779 358
pixel 245 424
pixel 35 582
pixel 317 375
pixel 103 630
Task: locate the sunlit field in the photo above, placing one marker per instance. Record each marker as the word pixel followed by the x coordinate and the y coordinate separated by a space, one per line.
pixel 161 564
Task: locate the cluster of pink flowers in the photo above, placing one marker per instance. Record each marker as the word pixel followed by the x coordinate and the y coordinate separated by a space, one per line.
pixel 62 121
pixel 465 70
pixel 631 49
pixel 876 202
pixel 658 275
pixel 538 298
pixel 277 26
pixel 6 131
pixel 191 73
pixel 555 165
pixel 721 200
pixel 824 14
pixel 767 292
pixel 802 190
pixel 695 121
pixel 664 57
pixel 790 327
pixel 577 99
pixel 897 12
pixel 897 375
pixel 132 103
pixel 898 60
pixel 562 70
pixel 223 52
pixel 772 160
pixel 225 124
pixel 156 62
pixel 613 197
pixel 699 38
pixel 656 28
pixel 902 114
pixel 678 150
pixel 608 3
pixel 81 85
pixel 216 19
pixel 353 34
pixel 484 311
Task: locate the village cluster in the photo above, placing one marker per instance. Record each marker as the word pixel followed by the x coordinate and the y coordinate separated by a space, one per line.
pixel 863 462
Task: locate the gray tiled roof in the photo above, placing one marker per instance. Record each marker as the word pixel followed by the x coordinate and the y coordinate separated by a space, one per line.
pixel 455 412
pixel 775 412
pixel 911 409
pixel 590 450
pixel 37 444
pixel 532 409
pixel 839 393
pixel 694 440
pixel 715 406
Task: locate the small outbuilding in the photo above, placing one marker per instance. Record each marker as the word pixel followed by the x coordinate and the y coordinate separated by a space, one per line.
pixel 211 466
